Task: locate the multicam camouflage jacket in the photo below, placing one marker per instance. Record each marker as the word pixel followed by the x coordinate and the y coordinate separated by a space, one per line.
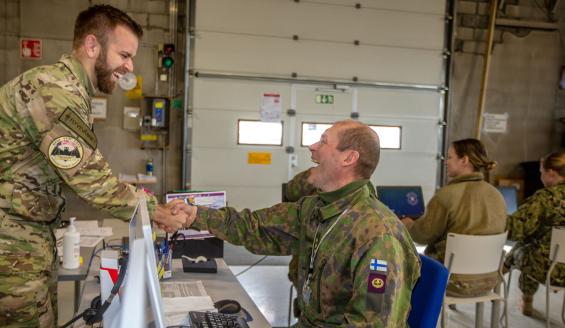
pixel 365 267
pixel 531 224
pixel 47 139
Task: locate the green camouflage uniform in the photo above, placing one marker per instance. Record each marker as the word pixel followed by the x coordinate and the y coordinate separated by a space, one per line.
pixel 531 227
pixel 348 285
pixel 295 189
pixel 46 140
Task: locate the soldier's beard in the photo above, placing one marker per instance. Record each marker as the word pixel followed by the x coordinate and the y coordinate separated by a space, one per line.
pixel 104 73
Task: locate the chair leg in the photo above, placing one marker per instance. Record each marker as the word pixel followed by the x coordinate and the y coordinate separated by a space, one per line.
pixel 495 309
pixel 290 305
pixel 563 309
pixel 547 319
pixel 479 307
pixel 443 316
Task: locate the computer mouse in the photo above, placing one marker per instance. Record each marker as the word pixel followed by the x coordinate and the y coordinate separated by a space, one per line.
pixel 228 306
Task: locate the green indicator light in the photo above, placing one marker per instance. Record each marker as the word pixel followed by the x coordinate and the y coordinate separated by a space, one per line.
pixel 167 62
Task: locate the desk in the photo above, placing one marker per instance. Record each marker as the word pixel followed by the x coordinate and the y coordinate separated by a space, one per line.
pixel 77 275
pixel 221 285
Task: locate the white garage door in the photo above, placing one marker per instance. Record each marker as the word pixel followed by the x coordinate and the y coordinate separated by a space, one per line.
pixel 324 60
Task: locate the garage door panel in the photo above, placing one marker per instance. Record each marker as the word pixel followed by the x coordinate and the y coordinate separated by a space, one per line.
pixel 236 95
pixel 333 23
pixel 267 56
pixel 231 167
pixel 398 103
pixel 218 128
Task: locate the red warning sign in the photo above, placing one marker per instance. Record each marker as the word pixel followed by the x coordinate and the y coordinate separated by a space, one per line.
pixel 30 48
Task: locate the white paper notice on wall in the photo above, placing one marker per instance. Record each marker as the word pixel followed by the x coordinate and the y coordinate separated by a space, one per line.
pixel 99 108
pixel 495 123
pixel 271 107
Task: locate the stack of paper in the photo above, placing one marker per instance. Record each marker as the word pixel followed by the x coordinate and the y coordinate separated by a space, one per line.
pixel 180 297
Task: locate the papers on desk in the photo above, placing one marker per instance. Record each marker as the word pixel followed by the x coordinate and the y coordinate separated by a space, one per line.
pixel 180 297
pixel 176 289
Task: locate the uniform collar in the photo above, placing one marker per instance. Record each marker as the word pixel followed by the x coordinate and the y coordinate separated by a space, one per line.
pixel 335 202
pixel 475 176
pixel 79 72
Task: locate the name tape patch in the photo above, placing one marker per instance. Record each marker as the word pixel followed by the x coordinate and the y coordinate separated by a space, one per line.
pixel 71 119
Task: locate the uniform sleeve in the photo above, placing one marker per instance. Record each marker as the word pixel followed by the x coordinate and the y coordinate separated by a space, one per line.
pixel 385 273
pixel 526 220
pixel 70 148
pixel 299 187
pixel 270 231
pixel 432 225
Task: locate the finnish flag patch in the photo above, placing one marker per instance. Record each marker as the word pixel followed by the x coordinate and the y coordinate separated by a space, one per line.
pixel 378 265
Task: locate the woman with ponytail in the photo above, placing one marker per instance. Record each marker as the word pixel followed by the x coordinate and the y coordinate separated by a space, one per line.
pixel 466 205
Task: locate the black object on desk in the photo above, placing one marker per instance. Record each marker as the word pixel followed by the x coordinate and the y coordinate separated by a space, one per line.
pixel 208 266
pixel 208 247
pixel 216 320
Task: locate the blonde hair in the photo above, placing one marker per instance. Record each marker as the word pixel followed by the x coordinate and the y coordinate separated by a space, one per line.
pixel 555 161
pixel 476 152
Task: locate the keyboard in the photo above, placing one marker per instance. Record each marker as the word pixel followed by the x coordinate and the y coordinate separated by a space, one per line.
pixel 216 320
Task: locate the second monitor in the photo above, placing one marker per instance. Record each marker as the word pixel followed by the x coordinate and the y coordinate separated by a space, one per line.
pixel 403 200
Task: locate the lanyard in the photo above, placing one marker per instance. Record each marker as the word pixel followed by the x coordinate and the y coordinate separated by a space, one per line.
pixel 316 246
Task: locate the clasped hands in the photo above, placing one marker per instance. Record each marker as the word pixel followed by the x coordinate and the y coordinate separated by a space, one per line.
pixel 174 215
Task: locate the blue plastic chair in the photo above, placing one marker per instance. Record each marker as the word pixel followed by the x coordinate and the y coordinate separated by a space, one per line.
pixel 427 296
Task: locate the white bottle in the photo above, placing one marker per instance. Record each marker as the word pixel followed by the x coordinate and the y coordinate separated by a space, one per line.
pixel 71 247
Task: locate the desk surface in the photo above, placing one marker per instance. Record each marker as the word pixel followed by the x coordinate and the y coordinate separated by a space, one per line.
pixel 221 285
pixel 81 272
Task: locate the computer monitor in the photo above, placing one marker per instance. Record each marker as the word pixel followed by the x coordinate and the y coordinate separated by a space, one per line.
pixel 403 200
pixel 510 194
pixel 141 285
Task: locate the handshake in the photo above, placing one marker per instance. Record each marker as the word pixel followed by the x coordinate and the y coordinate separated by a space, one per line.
pixel 174 215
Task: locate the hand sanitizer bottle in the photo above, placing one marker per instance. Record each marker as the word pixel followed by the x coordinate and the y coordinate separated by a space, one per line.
pixel 71 247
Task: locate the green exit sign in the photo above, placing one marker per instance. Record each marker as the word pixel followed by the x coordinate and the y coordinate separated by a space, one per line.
pixel 324 99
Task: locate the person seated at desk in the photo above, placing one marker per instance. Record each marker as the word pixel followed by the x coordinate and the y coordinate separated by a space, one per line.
pixel 467 205
pixel 357 263
pixel 531 227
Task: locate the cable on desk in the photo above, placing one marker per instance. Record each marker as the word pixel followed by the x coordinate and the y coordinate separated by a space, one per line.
pixel 252 265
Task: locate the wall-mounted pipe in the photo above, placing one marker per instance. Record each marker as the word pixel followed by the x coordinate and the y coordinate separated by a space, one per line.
pixel 486 69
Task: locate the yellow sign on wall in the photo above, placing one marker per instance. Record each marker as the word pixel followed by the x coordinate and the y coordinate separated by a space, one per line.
pixel 259 158
pixel 137 92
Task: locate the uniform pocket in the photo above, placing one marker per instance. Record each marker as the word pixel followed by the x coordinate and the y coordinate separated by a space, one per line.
pixel 26 248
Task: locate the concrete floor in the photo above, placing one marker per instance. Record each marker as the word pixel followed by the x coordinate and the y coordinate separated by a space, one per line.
pixel 268 286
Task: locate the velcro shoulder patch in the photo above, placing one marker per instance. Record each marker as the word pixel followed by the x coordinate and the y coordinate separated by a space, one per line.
pixel 71 120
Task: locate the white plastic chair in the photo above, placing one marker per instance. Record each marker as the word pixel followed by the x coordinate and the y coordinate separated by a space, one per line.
pixel 557 255
pixel 467 254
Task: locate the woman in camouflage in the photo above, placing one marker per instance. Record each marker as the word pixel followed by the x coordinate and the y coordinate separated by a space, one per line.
pixel 531 227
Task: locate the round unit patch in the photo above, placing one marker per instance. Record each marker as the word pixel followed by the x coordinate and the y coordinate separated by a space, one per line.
pixel 378 283
pixel 65 152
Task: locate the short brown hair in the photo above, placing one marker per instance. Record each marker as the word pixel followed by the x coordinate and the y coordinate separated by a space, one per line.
pixel 476 152
pixel 360 137
pixel 555 161
pixel 99 20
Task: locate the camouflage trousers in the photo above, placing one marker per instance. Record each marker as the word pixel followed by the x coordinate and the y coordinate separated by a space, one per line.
pixel 28 274
pixel 533 265
pixel 467 285
pixel 464 285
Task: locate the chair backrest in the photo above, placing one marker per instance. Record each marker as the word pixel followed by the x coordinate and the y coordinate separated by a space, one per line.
pixel 427 295
pixel 474 254
pixel 558 238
